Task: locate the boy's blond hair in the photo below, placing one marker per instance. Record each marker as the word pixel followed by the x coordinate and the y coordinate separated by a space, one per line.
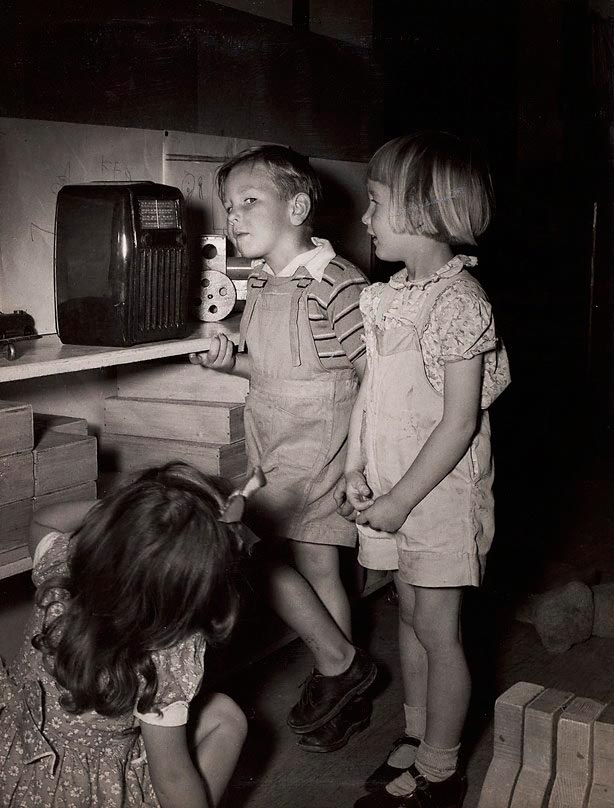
pixel 289 171
pixel 439 186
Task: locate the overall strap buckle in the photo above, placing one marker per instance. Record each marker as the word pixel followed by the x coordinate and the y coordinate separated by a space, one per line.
pixel 295 306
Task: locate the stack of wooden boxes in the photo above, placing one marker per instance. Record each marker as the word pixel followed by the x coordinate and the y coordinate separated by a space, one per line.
pixel 43 459
pixel 167 411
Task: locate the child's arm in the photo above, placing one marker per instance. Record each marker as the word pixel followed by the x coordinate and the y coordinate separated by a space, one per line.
pixel 352 486
pixel 445 446
pixel 223 357
pixel 65 517
pixel 174 777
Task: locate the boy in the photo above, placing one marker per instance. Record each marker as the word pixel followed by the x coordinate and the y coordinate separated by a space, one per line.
pixel 301 347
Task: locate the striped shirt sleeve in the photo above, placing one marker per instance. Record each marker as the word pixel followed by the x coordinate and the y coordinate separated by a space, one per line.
pixel 334 314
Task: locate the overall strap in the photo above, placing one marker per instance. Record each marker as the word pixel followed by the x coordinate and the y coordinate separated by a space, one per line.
pixel 295 306
pixel 435 292
pixel 257 283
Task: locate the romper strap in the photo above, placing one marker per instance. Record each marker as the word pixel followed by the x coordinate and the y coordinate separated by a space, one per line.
pixel 258 283
pixel 295 305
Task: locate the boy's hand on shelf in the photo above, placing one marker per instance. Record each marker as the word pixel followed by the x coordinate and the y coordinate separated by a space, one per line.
pixel 384 513
pixel 220 356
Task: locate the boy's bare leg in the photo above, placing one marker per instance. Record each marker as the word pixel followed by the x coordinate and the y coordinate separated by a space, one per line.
pixel 298 605
pixel 319 564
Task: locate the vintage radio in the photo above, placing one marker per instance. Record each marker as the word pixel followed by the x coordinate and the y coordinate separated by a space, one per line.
pixel 121 266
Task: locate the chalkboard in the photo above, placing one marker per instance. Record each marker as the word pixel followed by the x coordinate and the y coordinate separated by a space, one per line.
pixel 36 159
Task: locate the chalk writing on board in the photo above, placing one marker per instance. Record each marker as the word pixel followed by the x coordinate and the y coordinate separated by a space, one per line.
pixel 118 170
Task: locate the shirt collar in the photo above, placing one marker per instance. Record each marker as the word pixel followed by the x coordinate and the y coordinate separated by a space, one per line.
pixel 400 280
pixel 314 261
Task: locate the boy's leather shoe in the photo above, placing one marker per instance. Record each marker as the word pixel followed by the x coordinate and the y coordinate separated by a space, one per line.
pixel 331 736
pixel 325 696
pixel 449 793
pixel 386 773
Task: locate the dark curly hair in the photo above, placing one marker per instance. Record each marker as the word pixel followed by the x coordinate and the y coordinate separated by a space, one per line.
pixel 150 566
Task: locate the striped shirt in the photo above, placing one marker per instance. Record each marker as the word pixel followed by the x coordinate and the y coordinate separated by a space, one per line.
pixel 332 302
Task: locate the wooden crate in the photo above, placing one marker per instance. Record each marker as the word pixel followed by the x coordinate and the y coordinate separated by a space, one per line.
pixel 62 460
pixel 127 453
pixel 15 530
pixel 16 477
pixel 85 490
pixel 16 432
pixel 179 381
pixel 204 422
pixel 44 422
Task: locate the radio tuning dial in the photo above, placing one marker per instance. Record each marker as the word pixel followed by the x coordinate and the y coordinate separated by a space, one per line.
pixel 146 240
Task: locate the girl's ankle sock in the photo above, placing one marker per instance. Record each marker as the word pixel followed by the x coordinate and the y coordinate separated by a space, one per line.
pixel 415 723
pixel 435 763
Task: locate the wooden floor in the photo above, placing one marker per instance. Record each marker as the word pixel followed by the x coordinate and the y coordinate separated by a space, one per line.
pixel 275 773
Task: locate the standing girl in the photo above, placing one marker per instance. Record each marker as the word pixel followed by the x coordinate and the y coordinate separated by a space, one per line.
pixel 129 590
pixel 419 469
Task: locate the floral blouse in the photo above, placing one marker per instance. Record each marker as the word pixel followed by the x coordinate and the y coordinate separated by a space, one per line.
pixel 460 325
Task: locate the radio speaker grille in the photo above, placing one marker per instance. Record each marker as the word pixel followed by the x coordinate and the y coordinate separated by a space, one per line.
pixel 159 292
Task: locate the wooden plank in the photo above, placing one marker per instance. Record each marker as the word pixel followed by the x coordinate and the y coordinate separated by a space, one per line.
pixel 86 490
pixel 47 356
pixel 537 773
pixel 180 381
pixel 15 567
pixel 574 760
pixel 15 520
pixel 127 453
pixel 16 433
pixel 16 477
pixel 62 460
pixel 204 422
pixel 505 766
pixel 44 422
pixel 602 788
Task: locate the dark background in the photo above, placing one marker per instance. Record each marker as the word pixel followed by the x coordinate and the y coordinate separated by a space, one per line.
pixel 531 80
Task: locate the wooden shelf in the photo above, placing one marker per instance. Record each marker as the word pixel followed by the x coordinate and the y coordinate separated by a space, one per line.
pixel 46 356
pixel 15 567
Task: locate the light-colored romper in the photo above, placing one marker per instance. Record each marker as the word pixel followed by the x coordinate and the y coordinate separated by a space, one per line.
pixel 445 539
pixel 296 416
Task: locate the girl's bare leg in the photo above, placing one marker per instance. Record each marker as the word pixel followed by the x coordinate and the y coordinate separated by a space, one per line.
pixel 218 738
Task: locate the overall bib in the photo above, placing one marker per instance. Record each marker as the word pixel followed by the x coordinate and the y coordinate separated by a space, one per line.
pixel 296 416
pixel 445 538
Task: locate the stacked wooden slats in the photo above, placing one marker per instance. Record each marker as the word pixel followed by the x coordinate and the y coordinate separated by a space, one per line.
pixel 16 480
pixel 551 750
pixel 169 411
pixel 43 459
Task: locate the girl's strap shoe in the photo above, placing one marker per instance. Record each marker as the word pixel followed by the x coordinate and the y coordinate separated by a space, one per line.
pixel 449 793
pixel 386 773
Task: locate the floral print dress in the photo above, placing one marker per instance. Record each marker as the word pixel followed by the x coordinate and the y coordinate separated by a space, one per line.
pixel 54 759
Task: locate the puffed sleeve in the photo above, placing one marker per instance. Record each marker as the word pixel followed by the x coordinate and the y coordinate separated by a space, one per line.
pixel 180 672
pixel 50 557
pixel 463 321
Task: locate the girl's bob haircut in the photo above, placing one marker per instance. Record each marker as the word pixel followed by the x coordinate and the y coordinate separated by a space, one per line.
pixel 289 171
pixel 440 186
